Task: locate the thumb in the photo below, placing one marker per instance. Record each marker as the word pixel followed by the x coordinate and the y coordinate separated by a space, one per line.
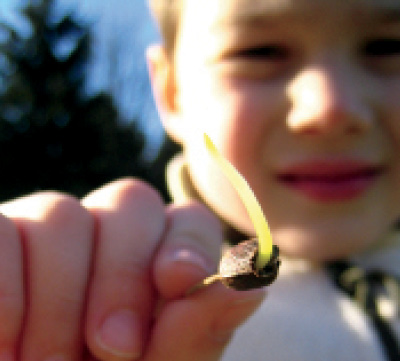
pixel 200 326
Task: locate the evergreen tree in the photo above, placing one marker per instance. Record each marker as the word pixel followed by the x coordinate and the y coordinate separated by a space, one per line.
pixel 53 136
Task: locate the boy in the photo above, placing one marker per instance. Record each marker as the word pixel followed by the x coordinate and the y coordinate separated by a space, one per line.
pixel 302 97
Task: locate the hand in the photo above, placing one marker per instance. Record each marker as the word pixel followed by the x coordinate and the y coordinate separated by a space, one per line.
pixel 46 248
pixel 105 279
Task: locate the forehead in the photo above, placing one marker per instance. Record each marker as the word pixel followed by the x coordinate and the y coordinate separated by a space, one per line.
pixel 217 13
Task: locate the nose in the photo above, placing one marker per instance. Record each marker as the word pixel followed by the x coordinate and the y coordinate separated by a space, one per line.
pixel 325 99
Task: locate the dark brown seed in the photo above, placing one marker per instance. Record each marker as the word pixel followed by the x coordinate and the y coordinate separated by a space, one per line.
pixel 238 270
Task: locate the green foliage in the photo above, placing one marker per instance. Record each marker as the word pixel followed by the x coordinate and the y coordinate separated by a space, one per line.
pixel 53 136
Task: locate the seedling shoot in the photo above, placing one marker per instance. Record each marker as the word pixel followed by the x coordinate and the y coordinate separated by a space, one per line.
pixel 265 246
pixel 252 263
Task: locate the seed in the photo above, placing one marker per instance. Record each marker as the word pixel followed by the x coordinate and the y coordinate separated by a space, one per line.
pixel 237 268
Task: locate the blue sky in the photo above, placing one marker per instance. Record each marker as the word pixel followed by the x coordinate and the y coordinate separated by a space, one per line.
pixel 122 31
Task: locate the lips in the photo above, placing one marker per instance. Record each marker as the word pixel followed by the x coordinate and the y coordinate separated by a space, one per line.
pixel 330 181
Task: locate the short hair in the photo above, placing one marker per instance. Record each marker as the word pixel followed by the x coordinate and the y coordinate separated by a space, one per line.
pixel 167 14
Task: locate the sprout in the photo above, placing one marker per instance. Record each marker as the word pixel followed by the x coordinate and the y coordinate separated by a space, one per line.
pixel 265 246
pixel 252 263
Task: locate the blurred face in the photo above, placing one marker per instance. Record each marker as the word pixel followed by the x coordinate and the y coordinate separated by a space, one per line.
pixel 303 98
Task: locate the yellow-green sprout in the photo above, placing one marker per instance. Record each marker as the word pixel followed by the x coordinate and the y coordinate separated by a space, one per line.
pixel 249 200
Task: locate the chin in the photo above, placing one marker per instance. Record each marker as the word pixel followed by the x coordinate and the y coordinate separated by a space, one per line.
pixel 318 247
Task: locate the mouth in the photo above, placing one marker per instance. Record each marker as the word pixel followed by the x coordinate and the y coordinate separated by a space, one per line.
pixel 330 181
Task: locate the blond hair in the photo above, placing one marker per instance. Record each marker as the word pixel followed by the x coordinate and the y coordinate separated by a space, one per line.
pixel 167 14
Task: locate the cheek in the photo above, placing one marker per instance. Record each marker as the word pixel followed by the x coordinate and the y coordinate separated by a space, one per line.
pixel 391 110
pixel 391 122
pixel 224 107
pixel 258 122
pixel 251 111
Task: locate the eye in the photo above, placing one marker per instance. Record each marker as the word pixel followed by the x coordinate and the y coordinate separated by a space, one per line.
pixel 269 52
pixel 382 47
pixel 257 62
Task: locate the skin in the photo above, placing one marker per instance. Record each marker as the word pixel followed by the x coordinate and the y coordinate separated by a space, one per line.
pixel 121 251
pixel 319 95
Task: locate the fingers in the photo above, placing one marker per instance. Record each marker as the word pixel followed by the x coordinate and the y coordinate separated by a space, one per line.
pixel 131 220
pixel 141 252
pixel 199 326
pixel 11 288
pixel 190 251
pixel 56 232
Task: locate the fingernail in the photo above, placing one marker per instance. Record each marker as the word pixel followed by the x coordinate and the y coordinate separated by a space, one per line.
pixel 193 258
pixel 120 335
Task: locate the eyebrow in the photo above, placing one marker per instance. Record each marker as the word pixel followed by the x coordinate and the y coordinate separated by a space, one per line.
pixel 389 16
pixel 383 15
pixel 253 20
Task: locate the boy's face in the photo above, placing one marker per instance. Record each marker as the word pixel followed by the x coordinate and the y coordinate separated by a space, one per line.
pixel 303 97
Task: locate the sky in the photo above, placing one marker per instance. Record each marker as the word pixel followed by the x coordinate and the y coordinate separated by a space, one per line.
pixel 122 31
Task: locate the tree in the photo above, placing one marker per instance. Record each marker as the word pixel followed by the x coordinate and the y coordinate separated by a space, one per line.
pixel 52 135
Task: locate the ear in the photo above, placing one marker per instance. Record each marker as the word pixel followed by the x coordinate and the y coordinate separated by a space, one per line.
pixel 163 82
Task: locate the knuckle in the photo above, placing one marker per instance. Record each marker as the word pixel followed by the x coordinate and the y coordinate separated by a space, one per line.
pixel 54 207
pixel 145 205
pixel 69 228
pixel 138 206
pixel 139 192
pixel 66 214
pixel 51 216
pixel 64 211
